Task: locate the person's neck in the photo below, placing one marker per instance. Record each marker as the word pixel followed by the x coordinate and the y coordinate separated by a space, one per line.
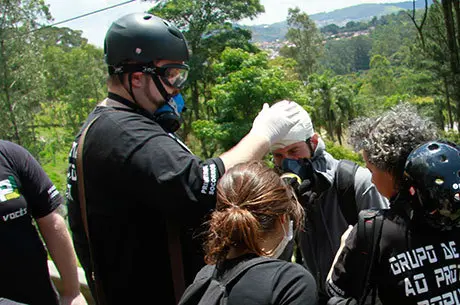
pixel 121 92
pixel 267 245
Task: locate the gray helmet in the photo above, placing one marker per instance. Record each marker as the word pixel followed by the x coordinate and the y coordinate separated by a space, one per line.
pixel 143 38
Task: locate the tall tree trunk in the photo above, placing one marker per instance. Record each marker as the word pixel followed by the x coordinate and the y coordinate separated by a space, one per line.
pixel 449 108
pixel 457 14
pixel 195 100
pixel 453 50
pixel 414 21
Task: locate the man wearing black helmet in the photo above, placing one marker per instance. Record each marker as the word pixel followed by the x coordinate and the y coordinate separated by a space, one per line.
pixel 145 192
pixel 417 255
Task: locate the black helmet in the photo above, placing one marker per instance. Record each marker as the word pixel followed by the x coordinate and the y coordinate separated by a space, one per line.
pixel 432 171
pixel 143 38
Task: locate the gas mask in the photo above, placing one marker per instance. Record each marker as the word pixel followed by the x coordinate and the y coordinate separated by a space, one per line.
pixel 302 177
pixel 169 115
pixel 302 168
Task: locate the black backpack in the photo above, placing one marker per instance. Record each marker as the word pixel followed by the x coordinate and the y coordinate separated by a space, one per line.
pixel 210 289
pixel 370 223
pixel 345 183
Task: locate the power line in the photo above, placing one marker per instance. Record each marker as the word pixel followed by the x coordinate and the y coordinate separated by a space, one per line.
pixel 81 16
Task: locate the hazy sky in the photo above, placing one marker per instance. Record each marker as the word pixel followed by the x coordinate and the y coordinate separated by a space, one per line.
pixel 95 26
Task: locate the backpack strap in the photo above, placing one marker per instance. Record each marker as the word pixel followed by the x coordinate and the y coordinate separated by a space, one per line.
pixel 210 287
pixel 100 296
pixel 345 184
pixel 370 223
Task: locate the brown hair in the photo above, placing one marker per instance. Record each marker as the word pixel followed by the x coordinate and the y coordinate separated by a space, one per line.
pixel 250 199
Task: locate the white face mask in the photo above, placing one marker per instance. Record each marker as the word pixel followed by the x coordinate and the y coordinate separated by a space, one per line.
pixel 286 239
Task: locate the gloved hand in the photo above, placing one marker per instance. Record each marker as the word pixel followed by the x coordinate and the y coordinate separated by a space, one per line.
pixel 275 122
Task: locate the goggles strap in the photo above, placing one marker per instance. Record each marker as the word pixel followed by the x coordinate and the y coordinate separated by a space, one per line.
pixel 161 88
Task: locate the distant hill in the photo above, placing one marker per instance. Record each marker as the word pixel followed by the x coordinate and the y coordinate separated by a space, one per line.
pixel 361 12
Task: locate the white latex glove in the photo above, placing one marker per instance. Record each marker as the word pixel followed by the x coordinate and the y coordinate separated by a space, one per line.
pixel 275 122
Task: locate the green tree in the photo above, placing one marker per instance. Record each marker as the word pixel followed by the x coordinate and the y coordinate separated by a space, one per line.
pixel 331 101
pixel 304 43
pixel 381 76
pixel 76 78
pixel 347 55
pixel 208 28
pixel 245 81
pixel 21 77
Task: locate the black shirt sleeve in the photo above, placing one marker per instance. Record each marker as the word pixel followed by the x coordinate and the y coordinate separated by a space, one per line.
pixel 156 163
pixel 345 279
pixel 41 195
pixel 294 286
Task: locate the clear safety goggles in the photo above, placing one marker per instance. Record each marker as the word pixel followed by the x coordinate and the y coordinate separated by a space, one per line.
pixel 173 75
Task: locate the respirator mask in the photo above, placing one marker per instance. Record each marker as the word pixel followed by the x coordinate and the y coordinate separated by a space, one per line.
pixel 297 171
pixel 169 115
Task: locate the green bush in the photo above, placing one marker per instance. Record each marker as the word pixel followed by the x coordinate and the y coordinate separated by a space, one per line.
pixel 339 152
pixel 451 135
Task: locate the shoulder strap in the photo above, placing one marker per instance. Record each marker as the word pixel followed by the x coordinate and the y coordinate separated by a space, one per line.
pixel 370 223
pixel 345 184
pixel 209 287
pixel 100 297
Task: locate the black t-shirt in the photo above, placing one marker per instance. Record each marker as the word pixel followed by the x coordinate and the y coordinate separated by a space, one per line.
pixel 416 265
pixel 278 283
pixel 139 179
pixel 26 193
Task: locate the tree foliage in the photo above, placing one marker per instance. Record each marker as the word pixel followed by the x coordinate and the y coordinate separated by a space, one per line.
pixel 51 78
pixel 304 42
pixel 208 27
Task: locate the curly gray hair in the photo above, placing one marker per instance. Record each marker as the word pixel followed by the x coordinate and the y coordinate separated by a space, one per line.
pixel 388 139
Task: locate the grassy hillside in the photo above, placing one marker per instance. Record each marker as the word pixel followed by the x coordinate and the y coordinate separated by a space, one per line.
pixel 361 12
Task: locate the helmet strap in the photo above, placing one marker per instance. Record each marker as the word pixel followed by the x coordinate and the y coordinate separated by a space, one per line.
pixel 161 88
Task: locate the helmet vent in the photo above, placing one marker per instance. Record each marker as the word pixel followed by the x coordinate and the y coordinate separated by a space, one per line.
pixel 147 17
pixel 439 181
pixel 443 158
pixel 433 146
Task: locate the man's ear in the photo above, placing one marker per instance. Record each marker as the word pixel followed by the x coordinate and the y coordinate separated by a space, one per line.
pixel 137 80
pixel 314 140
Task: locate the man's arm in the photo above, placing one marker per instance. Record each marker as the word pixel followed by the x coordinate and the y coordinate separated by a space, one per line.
pixel 57 238
pixel 270 125
pixel 251 147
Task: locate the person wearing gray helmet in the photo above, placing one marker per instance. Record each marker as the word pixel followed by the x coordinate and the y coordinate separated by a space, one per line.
pixel 145 193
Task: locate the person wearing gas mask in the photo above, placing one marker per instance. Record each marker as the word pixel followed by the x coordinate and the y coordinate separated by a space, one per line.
pixel 302 154
pixel 415 258
pixel 136 194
